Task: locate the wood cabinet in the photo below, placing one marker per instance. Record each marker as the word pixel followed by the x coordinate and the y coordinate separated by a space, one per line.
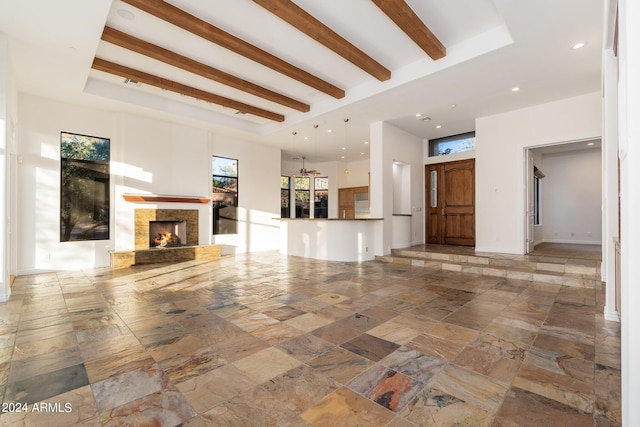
pixel 347 201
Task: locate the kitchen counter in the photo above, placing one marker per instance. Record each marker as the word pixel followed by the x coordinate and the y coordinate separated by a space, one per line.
pixel 331 239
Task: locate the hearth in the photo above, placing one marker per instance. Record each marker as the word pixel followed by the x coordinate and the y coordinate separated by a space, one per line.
pixel 167 234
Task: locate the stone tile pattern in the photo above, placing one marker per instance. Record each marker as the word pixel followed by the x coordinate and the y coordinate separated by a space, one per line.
pixel 269 340
pixel 562 270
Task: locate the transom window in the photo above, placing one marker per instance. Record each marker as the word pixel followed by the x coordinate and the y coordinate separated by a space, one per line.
pixel 452 144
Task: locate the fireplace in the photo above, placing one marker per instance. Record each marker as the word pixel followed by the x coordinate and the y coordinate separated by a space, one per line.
pixel 167 234
pixel 177 227
pixel 183 226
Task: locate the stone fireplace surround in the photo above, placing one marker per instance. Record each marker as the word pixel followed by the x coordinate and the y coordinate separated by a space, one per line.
pixel 143 216
pixel 145 255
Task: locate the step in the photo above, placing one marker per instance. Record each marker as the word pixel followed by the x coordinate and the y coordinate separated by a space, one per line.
pixel 576 273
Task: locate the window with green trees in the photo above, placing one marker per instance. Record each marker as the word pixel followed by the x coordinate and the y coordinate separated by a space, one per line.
pixel 225 195
pixel 321 199
pixel 302 197
pixel 84 187
pixel 285 197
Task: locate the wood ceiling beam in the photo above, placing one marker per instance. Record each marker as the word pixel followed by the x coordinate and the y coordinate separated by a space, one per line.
pixel 297 17
pixel 405 18
pixel 182 19
pixel 142 47
pixel 170 85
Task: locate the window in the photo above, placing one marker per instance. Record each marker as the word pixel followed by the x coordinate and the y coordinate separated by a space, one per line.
pixel 321 198
pixel 537 187
pixel 285 197
pixel 225 195
pixel 302 197
pixel 452 144
pixel 84 187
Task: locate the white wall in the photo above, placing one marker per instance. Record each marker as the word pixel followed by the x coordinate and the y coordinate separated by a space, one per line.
pixel 610 189
pixel 629 152
pixel 389 144
pixel 148 156
pixel 402 188
pixel 157 157
pixel 333 240
pixel 258 195
pixel 39 246
pixel 358 175
pixel 571 197
pixel 5 161
pixel 500 143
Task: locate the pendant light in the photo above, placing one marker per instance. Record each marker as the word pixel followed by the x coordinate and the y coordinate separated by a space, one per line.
pixel 315 139
pixel 293 137
pixel 346 144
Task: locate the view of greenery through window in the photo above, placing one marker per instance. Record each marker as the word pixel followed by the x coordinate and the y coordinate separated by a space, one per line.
pixel 285 197
pixel 84 187
pixel 452 144
pixel 225 195
pixel 321 199
pixel 302 194
pixel 302 197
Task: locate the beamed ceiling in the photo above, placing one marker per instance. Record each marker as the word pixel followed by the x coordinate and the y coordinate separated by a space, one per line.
pixel 266 69
pixel 247 91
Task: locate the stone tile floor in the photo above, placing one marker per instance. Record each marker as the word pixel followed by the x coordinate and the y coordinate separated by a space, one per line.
pixel 270 340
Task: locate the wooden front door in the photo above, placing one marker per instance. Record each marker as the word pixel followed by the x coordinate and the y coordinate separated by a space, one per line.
pixel 450 214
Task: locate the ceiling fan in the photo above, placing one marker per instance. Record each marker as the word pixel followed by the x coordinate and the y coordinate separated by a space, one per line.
pixel 306 172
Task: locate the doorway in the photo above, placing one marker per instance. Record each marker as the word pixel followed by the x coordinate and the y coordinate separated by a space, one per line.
pixel 563 198
pixel 450 215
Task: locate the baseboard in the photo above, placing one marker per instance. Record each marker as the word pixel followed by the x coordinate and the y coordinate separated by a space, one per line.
pixel 30 272
pixel 611 315
pixel 497 250
pixel 577 242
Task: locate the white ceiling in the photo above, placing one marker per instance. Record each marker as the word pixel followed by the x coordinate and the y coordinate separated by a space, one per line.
pixel 492 46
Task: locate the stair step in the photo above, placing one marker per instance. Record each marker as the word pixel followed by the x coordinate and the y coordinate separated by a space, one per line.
pixel 584 274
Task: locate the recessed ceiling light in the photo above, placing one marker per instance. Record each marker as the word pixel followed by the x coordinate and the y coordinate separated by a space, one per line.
pixel 454 105
pixel 362 153
pixel 126 14
pixel 515 89
pixel 344 148
pixel 578 45
pixel 366 142
pixel 329 130
pixel 591 143
pixel 306 137
pixel 418 115
pixel 342 157
pixel 438 127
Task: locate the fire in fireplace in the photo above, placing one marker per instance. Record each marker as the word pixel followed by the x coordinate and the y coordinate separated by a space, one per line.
pixel 167 234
